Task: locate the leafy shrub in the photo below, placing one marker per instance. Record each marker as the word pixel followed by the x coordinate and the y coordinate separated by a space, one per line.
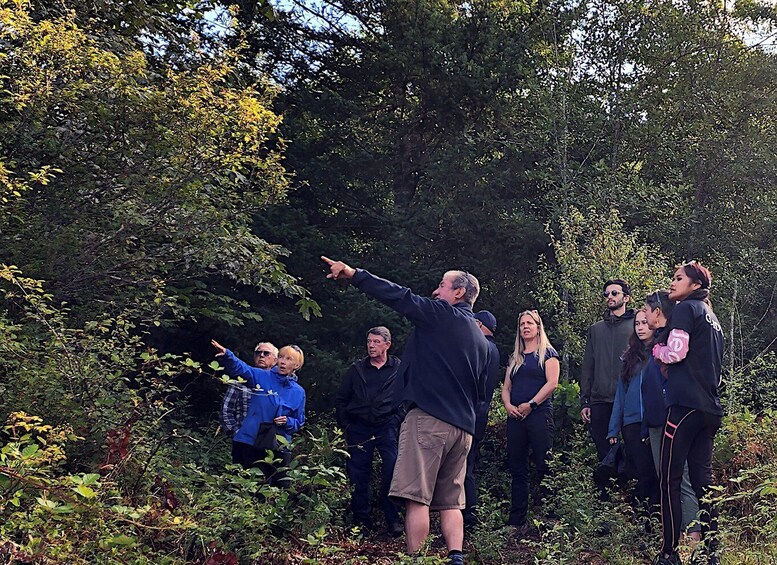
pixel 746 466
pixel 753 386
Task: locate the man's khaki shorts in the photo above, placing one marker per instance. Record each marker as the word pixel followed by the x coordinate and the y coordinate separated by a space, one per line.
pixel 431 463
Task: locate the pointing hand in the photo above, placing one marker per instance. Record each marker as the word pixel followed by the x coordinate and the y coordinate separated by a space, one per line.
pixel 338 270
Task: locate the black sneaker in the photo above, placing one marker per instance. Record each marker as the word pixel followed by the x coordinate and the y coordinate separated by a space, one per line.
pixel 700 558
pixel 670 559
pixel 522 530
pixel 396 529
pixel 456 559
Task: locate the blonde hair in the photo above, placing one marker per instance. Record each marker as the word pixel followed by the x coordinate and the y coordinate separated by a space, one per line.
pixel 294 352
pixel 517 356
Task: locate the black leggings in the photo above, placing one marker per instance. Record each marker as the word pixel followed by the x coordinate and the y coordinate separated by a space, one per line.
pixel 688 434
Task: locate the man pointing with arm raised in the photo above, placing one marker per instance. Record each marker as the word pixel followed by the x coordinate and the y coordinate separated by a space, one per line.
pixel 441 379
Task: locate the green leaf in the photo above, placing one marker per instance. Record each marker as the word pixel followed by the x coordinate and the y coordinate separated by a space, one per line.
pixel 122 540
pixel 90 478
pixel 29 451
pixel 50 504
pixel 85 491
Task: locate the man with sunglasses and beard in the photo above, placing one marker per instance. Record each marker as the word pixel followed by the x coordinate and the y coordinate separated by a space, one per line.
pixel 606 342
pixel 235 405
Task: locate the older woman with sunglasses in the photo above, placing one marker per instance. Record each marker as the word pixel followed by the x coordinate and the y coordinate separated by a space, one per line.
pixel 693 355
pixel 277 408
pixel 531 377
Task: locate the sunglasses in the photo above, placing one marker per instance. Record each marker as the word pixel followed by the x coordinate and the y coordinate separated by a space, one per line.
pixel 260 353
pixel 612 293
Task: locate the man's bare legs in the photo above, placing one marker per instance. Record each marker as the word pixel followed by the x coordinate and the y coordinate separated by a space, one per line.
pixel 452 526
pixel 416 524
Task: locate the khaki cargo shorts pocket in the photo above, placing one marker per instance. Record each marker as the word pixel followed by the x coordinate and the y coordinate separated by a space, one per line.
pixel 431 433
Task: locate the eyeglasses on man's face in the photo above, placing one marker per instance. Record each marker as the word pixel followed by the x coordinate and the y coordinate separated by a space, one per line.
pixel 262 353
pixel 612 293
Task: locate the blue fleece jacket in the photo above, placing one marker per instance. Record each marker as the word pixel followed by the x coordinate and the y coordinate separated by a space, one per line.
pixel 272 395
pixel 653 397
pixel 627 407
pixel 444 366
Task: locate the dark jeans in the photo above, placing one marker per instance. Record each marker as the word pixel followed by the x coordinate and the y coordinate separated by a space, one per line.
pixel 248 456
pixel 362 442
pixel 535 432
pixel 470 484
pixel 641 459
pixel 599 426
pixel 688 433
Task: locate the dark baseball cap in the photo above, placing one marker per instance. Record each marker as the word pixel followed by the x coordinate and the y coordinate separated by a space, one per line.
pixel 487 319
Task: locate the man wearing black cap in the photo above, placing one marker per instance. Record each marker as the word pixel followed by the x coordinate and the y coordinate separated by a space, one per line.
pixel 486 321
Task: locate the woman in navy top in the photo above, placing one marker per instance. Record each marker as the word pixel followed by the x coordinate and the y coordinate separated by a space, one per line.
pixel 693 355
pixel 531 377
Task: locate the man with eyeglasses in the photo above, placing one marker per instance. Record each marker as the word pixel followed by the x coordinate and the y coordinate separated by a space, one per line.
pixel 366 410
pixel 606 342
pixel 235 405
pixel 442 377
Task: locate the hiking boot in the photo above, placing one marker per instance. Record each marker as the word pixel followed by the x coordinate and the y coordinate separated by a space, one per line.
pixel 456 558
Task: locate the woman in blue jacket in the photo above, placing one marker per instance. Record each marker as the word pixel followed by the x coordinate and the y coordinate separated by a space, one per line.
pixel 277 408
pixel 627 413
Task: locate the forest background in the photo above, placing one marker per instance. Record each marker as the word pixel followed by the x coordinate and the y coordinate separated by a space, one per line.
pixel 171 171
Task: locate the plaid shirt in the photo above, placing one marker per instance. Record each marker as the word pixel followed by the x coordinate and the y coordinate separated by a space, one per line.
pixel 234 408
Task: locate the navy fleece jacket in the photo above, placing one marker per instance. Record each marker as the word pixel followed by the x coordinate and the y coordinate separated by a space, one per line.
pixel 445 361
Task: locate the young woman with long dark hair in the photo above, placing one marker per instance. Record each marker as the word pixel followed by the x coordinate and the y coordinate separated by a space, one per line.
pixel 530 379
pixel 693 354
pixel 658 309
pixel 627 413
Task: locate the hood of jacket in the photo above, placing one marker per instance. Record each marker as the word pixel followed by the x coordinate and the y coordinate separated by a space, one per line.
pixel 612 319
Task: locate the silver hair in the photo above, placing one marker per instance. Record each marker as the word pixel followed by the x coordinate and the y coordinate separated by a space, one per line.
pixel 382 331
pixel 272 347
pixel 470 284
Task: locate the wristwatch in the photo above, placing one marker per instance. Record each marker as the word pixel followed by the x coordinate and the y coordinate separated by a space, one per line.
pixel 532 404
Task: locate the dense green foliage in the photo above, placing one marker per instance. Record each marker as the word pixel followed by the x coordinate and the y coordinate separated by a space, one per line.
pixel 171 171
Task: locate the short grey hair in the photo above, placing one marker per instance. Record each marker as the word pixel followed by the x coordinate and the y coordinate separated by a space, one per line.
pixel 382 331
pixel 470 284
pixel 270 345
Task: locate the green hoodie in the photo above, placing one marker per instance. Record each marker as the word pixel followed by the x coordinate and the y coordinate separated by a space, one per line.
pixel 606 342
